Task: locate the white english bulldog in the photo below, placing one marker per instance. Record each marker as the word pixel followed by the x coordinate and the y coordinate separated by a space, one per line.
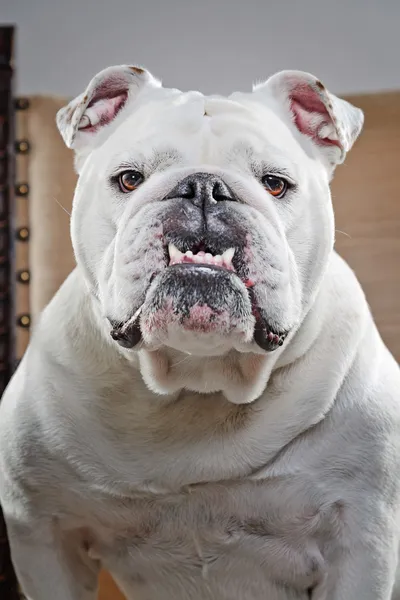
pixel 206 408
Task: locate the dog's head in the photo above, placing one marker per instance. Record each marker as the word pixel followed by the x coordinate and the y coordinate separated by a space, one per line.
pixel 205 224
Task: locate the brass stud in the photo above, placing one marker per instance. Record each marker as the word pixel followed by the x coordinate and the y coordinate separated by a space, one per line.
pixel 21 103
pixel 24 321
pixel 23 234
pixel 23 276
pixel 22 189
pixel 22 147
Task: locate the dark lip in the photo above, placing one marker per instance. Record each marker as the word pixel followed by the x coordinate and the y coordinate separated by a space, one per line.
pixel 266 335
pixel 201 266
pixel 247 282
pixel 127 337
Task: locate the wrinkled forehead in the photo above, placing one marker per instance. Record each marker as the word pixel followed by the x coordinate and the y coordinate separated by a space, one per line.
pixel 204 129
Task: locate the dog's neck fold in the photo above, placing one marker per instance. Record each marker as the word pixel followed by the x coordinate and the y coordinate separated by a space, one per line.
pixel 241 377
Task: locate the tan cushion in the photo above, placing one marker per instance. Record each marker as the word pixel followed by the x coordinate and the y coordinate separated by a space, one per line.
pixel 366 200
pixel 52 182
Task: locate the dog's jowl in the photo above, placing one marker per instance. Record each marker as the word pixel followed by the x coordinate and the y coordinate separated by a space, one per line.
pixel 206 408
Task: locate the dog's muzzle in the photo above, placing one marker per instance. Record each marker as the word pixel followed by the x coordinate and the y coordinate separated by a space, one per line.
pixel 204 287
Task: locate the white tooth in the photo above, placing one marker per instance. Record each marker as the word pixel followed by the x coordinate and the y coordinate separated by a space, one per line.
pixel 208 257
pixel 218 259
pixel 189 253
pixel 228 255
pixel 174 254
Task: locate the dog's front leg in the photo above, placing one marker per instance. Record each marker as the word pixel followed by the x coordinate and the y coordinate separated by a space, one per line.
pixel 363 565
pixel 50 564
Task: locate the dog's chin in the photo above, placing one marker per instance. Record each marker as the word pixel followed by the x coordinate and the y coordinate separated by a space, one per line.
pixel 198 309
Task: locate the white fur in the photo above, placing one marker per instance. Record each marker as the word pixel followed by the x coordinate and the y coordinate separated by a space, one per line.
pixel 218 472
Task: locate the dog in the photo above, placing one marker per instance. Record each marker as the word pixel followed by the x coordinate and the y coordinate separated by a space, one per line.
pixel 206 408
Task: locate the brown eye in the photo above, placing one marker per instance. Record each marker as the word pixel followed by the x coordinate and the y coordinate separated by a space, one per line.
pixel 129 180
pixel 276 186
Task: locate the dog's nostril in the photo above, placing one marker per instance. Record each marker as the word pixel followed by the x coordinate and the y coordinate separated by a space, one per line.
pixel 188 190
pixel 221 192
pixel 185 189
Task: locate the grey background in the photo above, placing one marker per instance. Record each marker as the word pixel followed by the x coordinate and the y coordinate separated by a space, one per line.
pixel 215 46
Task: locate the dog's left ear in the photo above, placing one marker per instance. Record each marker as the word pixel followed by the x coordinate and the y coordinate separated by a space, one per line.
pixel 331 123
pixel 84 122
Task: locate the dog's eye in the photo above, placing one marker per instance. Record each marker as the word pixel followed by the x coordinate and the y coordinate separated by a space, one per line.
pixel 129 180
pixel 276 186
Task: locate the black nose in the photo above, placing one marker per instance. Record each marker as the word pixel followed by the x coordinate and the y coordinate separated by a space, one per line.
pixel 202 189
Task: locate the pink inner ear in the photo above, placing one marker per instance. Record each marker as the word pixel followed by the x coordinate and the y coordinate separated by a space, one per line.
pixel 310 113
pixel 108 99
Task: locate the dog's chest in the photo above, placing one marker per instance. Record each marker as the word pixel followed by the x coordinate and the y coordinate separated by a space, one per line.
pixel 186 545
pixel 198 438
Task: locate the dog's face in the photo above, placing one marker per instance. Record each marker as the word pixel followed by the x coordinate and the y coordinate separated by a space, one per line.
pixel 203 223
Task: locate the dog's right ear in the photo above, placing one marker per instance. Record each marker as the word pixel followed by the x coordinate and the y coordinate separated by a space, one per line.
pixel 330 123
pixel 84 118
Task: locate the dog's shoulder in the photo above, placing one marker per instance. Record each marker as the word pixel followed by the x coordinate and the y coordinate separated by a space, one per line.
pixel 48 376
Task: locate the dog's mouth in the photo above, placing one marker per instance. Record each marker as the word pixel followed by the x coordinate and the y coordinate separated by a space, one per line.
pixel 201 257
pixel 206 277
